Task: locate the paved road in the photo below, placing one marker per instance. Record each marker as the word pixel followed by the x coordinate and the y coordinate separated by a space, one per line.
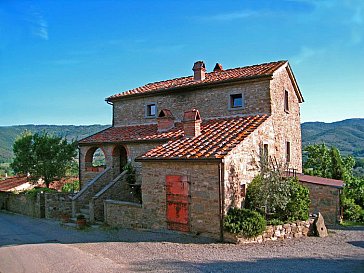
pixel 39 245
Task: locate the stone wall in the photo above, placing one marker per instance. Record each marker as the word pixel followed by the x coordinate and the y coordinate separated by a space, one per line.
pixel 212 102
pixel 57 204
pixel 117 190
pixel 124 214
pixel 3 199
pixel 286 124
pixel 274 233
pixel 242 164
pixel 325 199
pixel 27 205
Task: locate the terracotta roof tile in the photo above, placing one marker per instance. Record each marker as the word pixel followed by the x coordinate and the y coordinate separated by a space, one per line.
pixel 218 137
pixel 12 182
pixel 265 69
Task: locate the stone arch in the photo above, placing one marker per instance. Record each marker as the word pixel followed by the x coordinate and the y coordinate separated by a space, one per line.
pixel 92 163
pixel 119 158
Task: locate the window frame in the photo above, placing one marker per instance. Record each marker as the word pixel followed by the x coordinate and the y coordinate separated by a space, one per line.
pixel 288 151
pixel 231 101
pixel 147 107
pixel 286 101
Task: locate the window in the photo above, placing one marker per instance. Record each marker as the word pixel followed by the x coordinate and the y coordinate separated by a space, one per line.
pixel 151 110
pixel 265 152
pixel 288 151
pixel 236 101
pixel 286 104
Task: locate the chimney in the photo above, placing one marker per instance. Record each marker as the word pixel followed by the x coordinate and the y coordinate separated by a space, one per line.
pixel 218 67
pixel 199 71
pixel 192 123
pixel 165 120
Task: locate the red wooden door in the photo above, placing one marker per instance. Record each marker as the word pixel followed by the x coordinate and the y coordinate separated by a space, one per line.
pixel 177 189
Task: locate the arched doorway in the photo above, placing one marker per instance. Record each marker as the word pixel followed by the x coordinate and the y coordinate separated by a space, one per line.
pixel 120 158
pixel 95 160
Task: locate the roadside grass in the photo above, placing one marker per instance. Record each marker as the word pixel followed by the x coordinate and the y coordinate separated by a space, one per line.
pixel 351 224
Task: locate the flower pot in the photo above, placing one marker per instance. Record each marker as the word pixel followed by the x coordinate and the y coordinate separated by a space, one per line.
pixel 81 223
pixel 65 218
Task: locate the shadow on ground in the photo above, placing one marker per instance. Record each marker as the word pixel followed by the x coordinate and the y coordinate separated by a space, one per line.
pixel 259 265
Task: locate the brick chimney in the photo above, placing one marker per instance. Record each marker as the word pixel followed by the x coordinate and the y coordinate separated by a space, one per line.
pixel 218 67
pixel 199 70
pixel 165 120
pixel 192 123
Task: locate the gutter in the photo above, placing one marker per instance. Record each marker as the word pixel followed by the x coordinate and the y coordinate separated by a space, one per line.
pixel 177 159
pixel 113 116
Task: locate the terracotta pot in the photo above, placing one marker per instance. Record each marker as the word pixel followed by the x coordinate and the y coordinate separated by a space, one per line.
pixel 65 218
pixel 81 223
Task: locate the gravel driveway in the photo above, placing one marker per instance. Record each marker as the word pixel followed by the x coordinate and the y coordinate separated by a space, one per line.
pixel 57 249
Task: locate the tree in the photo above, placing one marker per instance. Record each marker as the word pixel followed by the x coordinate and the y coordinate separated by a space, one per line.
pixel 327 162
pixel 22 149
pixel 43 156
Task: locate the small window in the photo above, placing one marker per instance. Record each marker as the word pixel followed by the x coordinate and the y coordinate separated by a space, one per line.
pixel 236 101
pixel 151 110
pixel 286 104
pixel 265 152
pixel 288 151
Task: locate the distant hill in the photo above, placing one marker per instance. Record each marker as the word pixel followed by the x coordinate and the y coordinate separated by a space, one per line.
pixel 8 134
pixel 347 135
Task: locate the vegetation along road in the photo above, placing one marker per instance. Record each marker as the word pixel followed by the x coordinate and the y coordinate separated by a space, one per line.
pixel 38 245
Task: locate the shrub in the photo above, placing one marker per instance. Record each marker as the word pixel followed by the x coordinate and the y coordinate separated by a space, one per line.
pixel 276 197
pixel 352 211
pixel 246 222
pixel 71 187
pixel 131 176
pixel 33 192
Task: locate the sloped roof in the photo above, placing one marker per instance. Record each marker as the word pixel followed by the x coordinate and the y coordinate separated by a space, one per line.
pixel 133 133
pixel 320 181
pixel 218 137
pixel 12 182
pixel 240 73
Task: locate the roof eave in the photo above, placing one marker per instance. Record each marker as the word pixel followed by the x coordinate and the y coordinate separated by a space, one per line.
pixel 204 159
pixel 294 83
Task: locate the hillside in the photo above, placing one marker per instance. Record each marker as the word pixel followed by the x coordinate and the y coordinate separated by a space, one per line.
pixel 8 134
pixel 347 135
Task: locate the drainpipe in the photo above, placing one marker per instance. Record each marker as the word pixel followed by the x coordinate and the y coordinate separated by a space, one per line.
pixel 221 199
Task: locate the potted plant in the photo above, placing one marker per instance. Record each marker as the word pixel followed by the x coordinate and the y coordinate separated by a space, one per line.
pixel 81 221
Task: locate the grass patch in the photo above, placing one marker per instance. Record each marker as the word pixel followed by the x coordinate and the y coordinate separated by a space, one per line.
pixel 351 224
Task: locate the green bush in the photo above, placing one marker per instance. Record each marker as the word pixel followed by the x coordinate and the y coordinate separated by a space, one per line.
pixel 71 187
pixel 352 211
pixel 245 222
pixel 33 192
pixel 283 199
pixel 131 176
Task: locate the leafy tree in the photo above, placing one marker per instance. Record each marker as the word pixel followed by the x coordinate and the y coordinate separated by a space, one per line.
pixel 327 162
pixel 43 156
pixel 22 149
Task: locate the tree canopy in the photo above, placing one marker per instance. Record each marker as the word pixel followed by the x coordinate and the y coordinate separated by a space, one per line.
pixel 43 156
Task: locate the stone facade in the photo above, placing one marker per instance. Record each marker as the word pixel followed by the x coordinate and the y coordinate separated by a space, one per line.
pixel 325 199
pixel 286 123
pixel 213 102
pixel 23 204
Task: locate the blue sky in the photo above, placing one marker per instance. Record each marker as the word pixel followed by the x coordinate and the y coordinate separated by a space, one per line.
pixel 59 60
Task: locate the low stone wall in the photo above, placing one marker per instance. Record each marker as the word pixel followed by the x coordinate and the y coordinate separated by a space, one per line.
pixel 57 204
pixel 27 205
pixel 326 200
pixel 3 199
pixel 274 233
pixel 123 214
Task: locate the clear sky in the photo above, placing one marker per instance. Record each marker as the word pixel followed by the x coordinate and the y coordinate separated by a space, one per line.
pixel 60 59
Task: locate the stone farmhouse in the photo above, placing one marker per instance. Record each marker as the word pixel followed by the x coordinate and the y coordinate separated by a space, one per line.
pixel 195 143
